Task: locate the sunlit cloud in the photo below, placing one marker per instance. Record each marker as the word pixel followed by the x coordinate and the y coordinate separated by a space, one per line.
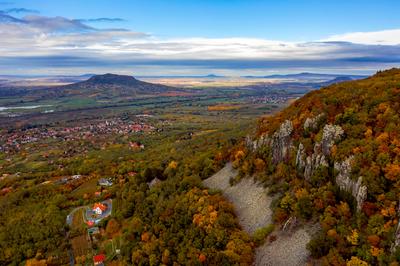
pixel 93 20
pixel 384 37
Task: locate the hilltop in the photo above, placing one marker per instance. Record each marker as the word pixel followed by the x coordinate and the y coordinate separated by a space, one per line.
pixel 104 86
pixel 333 157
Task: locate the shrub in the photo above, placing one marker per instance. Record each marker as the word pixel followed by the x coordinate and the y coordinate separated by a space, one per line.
pixel 262 233
pixel 320 245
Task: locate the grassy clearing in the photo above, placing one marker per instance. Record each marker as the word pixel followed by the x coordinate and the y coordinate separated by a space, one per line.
pixel 80 246
pixel 88 187
pixel 77 220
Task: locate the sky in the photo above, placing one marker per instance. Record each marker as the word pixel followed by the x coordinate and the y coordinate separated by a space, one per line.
pixel 198 37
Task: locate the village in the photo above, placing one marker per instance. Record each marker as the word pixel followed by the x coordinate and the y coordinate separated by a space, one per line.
pixel 15 139
pixel 271 99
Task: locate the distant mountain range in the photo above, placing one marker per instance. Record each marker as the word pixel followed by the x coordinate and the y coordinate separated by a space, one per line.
pixel 184 76
pixel 310 76
pixel 123 87
pixel 303 76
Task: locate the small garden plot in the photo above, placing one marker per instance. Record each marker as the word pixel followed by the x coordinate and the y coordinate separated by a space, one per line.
pixel 80 246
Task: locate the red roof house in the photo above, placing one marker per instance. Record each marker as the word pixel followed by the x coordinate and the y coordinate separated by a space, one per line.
pixel 99 259
pixel 99 208
pixel 90 223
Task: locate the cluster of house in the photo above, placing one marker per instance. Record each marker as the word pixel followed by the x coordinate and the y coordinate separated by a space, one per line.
pixel 274 99
pixel 14 140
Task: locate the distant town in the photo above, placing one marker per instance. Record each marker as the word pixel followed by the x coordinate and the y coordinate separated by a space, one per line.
pixel 13 139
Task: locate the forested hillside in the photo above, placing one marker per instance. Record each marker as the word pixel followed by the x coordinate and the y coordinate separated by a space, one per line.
pixel 332 158
pixel 161 213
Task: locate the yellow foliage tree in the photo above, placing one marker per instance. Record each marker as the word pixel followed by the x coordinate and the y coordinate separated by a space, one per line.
pixel 368 133
pixel 172 165
pixel 376 251
pixel 392 171
pixel 259 164
pixel 355 261
pixel 353 237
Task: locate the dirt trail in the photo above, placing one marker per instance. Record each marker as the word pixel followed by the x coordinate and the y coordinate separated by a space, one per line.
pixel 252 208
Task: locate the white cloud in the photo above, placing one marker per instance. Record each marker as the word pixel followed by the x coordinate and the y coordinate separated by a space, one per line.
pixel 384 37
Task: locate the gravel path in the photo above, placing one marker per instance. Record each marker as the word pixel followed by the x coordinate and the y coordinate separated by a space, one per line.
pixel 252 208
pixel 287 250
pixel 250 199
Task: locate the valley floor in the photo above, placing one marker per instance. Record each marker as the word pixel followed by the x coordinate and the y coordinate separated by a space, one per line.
pixel 252 208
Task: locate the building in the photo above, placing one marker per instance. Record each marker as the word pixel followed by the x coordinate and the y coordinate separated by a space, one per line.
pixel 75 177
pixel 93 234
pixel 90 223
pixel 105 182
pixel 99 259
pixel 99 208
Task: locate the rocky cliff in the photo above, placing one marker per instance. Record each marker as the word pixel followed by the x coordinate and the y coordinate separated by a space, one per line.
pixel 322 149
pixel 281 144
pixel 343 180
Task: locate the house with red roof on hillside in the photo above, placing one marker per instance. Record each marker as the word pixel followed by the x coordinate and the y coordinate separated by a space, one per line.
pixel 99 208
pixel 99 259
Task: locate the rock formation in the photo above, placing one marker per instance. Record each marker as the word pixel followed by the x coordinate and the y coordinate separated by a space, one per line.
pixel 330 134
pixel 258 143
pixel 343 180
pixel 396 242
pixel 312 123
pixel 282 142
pixel 307 165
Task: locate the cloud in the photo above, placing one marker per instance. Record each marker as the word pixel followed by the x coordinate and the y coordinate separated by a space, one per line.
pixel 56 24
pixel 43 43
pixel 385 37
pixel 102 20
pixel 5 18
pixel 21 10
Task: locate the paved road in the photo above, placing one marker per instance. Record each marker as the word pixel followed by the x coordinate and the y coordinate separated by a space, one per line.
pixel 70 216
